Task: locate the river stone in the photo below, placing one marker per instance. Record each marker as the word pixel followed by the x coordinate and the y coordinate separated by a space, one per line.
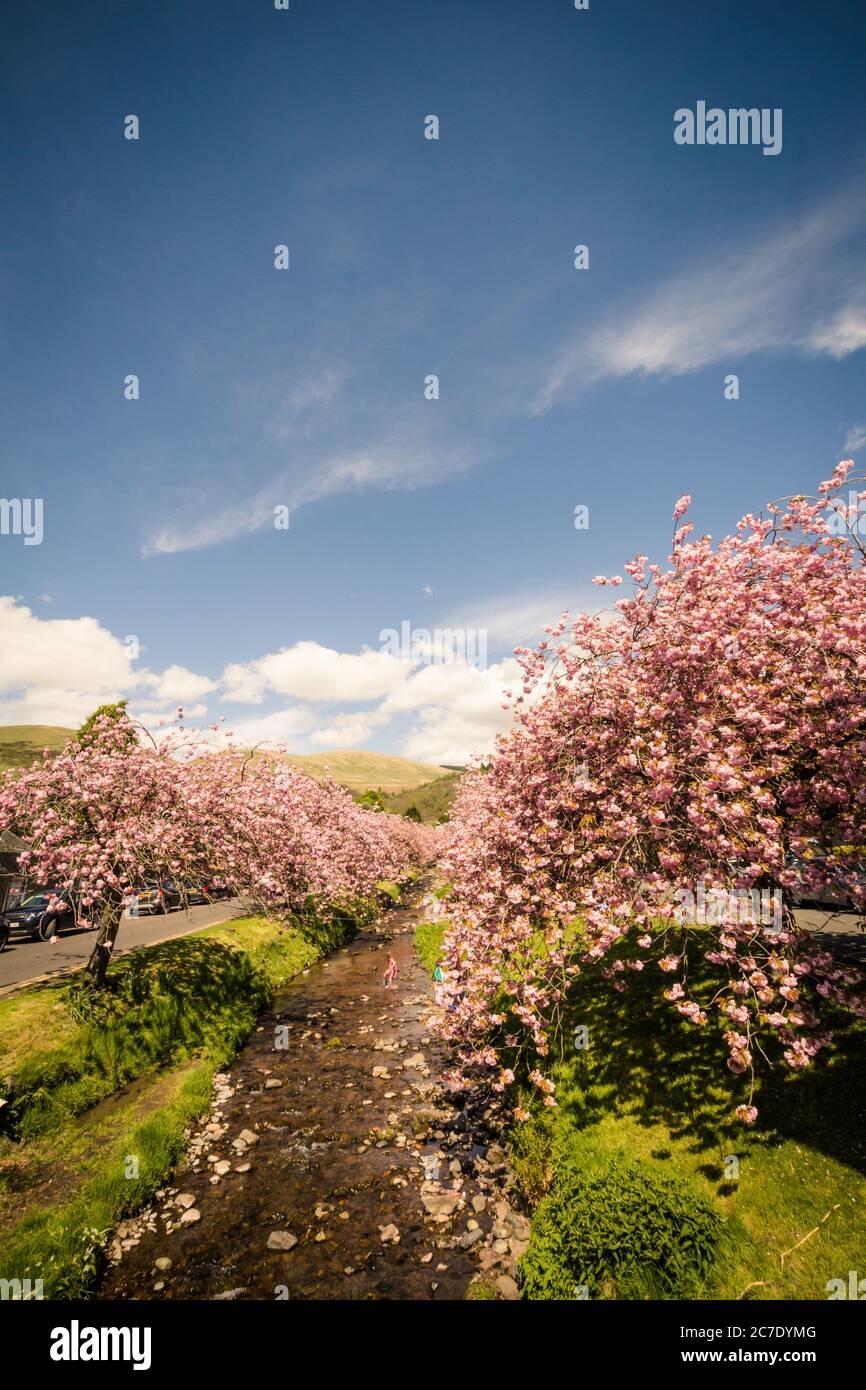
pixel 189 1216
pixel 186 1199
pixel 281 1240
pixel 439 1204
pixel 163 1263
pixel 507 1287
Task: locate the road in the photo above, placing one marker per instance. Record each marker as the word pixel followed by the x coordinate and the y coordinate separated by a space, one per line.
pixel 24 960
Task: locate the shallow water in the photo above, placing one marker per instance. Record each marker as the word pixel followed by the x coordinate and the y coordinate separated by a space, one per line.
pixel 329 1164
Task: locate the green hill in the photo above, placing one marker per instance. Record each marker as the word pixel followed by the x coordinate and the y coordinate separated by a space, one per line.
pixel 433 799
pixel 22 744
pixel 357 769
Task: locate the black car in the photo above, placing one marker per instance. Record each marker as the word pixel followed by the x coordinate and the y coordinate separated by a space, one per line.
pixel 215 887
pixel 194 893
pixel 158 895
pixel 35 915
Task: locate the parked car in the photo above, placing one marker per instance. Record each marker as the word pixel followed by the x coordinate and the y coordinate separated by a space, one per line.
pixel 836 891
pixel 214 886
pixel 158 895
pixel 35 916
pixel 194 893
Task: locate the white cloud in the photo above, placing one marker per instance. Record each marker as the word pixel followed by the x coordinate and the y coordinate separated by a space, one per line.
pixel 57 670
pixel 347 730
pixel 281 726
pixel 770 293
pixel 180 686
pixel 458 710
pixel 308 671
pixel 842 333
pixel 74 654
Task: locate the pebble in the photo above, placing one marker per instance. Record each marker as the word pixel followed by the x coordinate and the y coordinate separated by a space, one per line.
pixel 282 1240
pixel 507 1287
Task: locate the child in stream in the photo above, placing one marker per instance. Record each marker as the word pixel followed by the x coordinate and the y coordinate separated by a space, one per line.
pixel 390 972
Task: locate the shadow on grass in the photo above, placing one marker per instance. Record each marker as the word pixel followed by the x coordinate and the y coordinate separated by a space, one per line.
pixel 644 1057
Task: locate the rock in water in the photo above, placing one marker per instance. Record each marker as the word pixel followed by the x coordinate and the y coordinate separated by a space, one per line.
pixel 281 1240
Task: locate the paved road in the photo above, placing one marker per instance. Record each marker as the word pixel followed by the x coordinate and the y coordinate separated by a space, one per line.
pixel 842 929
pixel 25 960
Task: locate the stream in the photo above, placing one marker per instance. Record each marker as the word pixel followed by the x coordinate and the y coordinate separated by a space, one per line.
pixel 332 1164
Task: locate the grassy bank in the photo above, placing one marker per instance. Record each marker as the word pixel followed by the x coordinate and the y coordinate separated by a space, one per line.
pixel 642 1142
pixel 428 943
pixel 100 1090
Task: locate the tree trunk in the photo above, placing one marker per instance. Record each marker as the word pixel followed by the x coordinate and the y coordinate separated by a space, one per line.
pixel 109 924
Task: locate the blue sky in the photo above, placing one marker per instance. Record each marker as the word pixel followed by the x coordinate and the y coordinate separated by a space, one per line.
pixel 408 257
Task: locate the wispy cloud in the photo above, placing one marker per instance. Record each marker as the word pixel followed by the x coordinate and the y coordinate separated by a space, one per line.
pixel 392 465
pixel 854 439
pixel 299 412
pixel 519 619
pixel 802 288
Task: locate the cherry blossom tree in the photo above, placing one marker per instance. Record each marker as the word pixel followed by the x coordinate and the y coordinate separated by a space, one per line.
pixel 117 807
pixel 703 742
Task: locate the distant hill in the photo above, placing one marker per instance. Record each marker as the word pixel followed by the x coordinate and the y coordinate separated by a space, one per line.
pixel 22 744
pixel 359 770
pixel 433 800
pixel 355 768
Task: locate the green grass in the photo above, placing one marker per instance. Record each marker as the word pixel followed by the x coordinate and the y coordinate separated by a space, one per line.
pixel 428 943
pixel 63 1245
pixel 432 799
pixel 22 744
pixel 66 1049
pixel 653 1090
pixel 174 1014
